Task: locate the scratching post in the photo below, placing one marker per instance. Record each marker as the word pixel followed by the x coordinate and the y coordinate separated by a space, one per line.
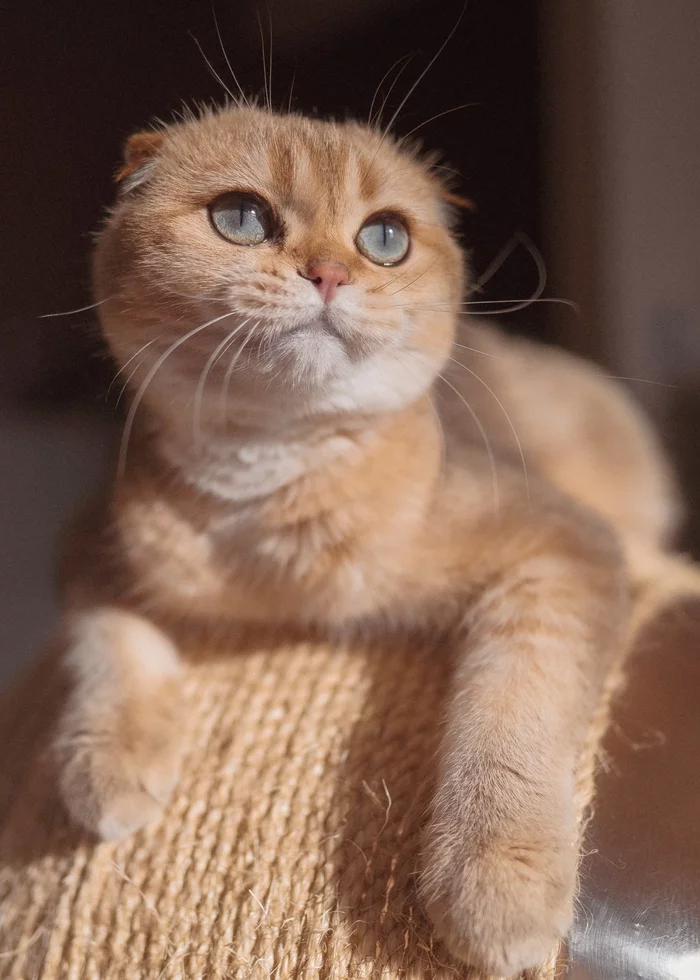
pixel 290 847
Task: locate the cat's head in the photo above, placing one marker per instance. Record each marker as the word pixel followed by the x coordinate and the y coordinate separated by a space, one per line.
pixel 286 266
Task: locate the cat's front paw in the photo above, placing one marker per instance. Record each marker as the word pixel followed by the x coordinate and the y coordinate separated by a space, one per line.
pixel 115 782
pixel 120 738
pixel 504 907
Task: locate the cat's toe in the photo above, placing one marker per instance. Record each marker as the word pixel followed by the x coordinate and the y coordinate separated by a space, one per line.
pixel 125 813
pixel 506 909
pixel 113 791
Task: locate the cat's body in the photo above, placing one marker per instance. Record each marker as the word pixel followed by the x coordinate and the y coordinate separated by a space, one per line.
pixel 303 527
pixel 322 476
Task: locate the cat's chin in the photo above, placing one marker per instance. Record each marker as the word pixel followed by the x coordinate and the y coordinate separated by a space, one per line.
pixel 311 354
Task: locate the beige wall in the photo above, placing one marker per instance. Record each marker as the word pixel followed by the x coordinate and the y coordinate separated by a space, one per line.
pixel 621 90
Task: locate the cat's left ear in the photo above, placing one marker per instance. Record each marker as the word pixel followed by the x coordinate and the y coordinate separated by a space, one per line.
pixel 140 152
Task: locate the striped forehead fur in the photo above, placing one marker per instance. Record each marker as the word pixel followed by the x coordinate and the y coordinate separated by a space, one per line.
pixel 339 156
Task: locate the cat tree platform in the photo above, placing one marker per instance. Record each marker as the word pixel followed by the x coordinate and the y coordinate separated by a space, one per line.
pixel 290 849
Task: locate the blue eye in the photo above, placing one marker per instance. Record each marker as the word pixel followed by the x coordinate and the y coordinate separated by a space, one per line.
pixel 384 239
pixel 242 218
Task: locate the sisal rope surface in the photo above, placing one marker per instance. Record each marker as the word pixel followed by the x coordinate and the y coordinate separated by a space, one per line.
pixel 288 852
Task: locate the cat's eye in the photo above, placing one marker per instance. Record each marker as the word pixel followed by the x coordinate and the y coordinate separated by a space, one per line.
pixel 384 239
pixel 243 219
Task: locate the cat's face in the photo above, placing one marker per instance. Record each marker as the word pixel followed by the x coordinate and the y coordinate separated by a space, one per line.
pixel 321 251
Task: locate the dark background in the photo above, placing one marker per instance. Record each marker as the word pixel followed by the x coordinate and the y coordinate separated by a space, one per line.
pixel 79 77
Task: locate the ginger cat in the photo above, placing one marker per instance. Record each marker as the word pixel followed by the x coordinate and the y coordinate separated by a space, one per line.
pixel 304 449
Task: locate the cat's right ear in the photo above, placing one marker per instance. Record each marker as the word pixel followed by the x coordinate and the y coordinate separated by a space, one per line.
pixel 140 152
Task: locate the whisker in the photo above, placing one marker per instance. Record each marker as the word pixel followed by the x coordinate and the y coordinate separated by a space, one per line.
pixel 495 264
pixel 425 71
pixel 124 388
pixel 523 305
pixel 610 377
pixel 128 425
pixel 230 369
pixel 645 381
pixel 486 353
pixel 436 413
pixel 487 443
pixel 520 305
pixel 441 430
pixel 291 90
pixel 508 419
pixel 438 115
pixel 527 302
pixel 519 238
pixel 213 70
pixel 383 285
pixel 541 281
pixel 379 87
pixel 80 309
pixel 206 297
pixel 398 75
pixel 226 58
pixel 269 73
pixel 126 364
pixel 232 337
pixel 517 304
pixel 412 281
pixel 386 130
pixel 199 393
pixel 264 62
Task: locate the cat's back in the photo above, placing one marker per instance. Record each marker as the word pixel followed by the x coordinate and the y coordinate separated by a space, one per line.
pixel 558 417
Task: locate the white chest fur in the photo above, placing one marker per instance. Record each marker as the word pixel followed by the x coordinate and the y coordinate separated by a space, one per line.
pixel 241 470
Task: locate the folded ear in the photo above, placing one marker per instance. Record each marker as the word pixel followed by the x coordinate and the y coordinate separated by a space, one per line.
pixel 140 151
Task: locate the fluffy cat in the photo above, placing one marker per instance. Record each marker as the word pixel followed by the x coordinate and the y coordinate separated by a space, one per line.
pixel 303 449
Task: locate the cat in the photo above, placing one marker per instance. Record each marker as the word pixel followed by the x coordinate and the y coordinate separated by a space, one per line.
pixel 317 438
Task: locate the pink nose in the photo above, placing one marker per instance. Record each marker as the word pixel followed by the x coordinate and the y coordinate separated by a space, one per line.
pixel 326 277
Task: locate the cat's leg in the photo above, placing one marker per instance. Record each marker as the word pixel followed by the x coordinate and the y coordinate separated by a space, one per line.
pixel 119 740
pixel 500 858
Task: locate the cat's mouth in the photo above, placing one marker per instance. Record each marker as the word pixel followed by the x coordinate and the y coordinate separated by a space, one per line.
pixel 323 322
pixel 324 341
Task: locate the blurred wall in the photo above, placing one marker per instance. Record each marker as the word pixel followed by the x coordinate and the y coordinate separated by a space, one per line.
pixel 650 89
pixel 621 177
pixel 621 111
